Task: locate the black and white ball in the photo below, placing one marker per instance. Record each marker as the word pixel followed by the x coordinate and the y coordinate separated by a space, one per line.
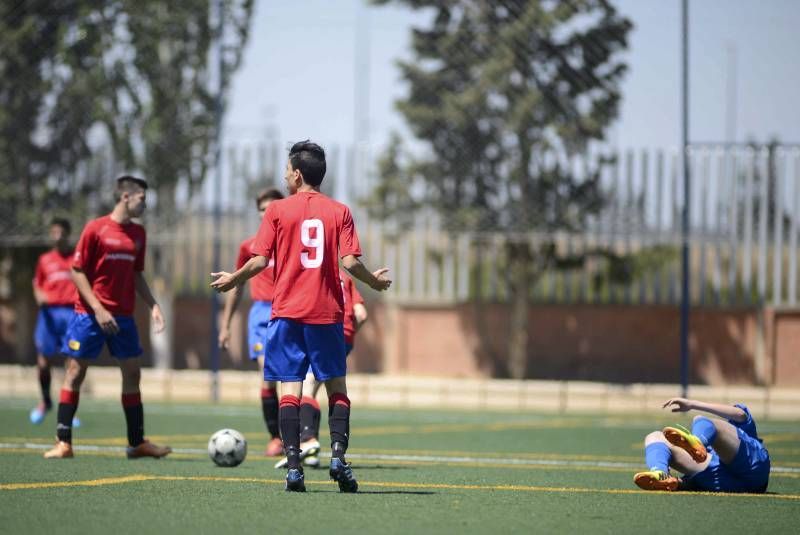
pixel 227 447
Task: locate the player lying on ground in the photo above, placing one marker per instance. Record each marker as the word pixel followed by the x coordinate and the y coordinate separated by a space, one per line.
pixel 355 314
pixel 261 291
pixel 107 269
pixel 55 293
pixel 305 234
pixel 718 455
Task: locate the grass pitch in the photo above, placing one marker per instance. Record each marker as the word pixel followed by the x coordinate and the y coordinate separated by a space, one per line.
pixel 418 471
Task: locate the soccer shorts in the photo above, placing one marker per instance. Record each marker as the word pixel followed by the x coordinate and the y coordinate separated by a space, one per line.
pixel 51 327
pixel 293 347
pixel 257 323
pixel 748 472
pixel 85 338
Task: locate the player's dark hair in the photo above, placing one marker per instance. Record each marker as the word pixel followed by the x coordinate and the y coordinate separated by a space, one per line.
pixel 61 222
pixel 309 159
pixel 269 194
pixel 128 184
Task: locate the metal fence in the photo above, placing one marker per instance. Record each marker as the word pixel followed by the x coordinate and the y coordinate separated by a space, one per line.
pixel 745 217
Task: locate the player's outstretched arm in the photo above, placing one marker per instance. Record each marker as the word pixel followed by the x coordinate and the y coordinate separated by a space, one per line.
pixel 103 317
pixel 377 280
pixel 143 290
pixel 729 412
pixel 224 281
pixel 231 302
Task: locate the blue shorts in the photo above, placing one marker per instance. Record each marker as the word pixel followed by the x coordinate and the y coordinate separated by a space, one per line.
pixel 294 346
pixel 748 472
pixel 257 323
pixel 51 328
pixel 347 349
pixel 85 338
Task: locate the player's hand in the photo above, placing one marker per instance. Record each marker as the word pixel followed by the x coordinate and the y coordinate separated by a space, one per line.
pixel 382 282
pixel 224 281
pixel 157 318
pixel 224 337
pixel 678 404
pixel 106 321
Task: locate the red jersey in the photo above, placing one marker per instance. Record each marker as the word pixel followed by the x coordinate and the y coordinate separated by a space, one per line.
pixel 306 234
pixel 351 296
pixel 110 254
pixel 262 286
pixel 53 277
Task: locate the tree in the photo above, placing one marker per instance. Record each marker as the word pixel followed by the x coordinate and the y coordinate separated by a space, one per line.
pixel 503 94
pixel 133 74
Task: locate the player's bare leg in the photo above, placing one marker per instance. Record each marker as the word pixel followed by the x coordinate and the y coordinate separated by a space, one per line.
pixel 134 412
pixel 269 411
pixel 289 413
pixel 74 375
pixel 724 437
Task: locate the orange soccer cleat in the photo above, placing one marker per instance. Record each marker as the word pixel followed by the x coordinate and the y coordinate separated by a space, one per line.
pixel 274 448
pixel 148 449
pixel 62 450
pixel 685 440
pixel 656 480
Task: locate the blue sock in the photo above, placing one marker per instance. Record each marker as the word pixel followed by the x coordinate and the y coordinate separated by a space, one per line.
pixel 704 429
pixel 657 456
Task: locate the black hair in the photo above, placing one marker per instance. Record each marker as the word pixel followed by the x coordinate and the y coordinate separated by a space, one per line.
pixel 128 183
pixel 270 194
pixel 309 159
pixel 63 223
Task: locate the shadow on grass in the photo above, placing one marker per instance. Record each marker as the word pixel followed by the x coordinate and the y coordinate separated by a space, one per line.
pixel 409 492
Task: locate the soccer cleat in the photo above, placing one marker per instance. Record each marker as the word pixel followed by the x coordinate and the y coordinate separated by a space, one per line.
pixel 295 480
pixel 309 448
pixel 76 422
pixel 312 461
pixel 656 480
pixel 343 475
pixel 38 413
pixel 685 440
pixel 147 449
pixel 274 448
pixel 62 450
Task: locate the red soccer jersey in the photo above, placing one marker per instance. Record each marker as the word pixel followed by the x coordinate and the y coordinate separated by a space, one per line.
pixel 306 234
pixel 110 254
pixel 53 277
pixel 262 286
pixel 351 296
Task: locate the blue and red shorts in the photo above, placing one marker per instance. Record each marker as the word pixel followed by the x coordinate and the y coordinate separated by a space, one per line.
pixel 85 338
pixel 293 347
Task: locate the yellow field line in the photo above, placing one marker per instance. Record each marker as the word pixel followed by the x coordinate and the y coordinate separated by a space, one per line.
pixel 380 484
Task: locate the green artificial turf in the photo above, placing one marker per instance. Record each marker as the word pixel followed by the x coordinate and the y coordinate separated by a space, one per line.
pixel 419 472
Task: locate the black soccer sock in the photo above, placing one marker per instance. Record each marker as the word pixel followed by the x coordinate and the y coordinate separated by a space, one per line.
pixel 289 413
pixel 68 404
pixel 309 418
pixel 134 417
pixel 269 408
pixel 44 383
pixel 339 424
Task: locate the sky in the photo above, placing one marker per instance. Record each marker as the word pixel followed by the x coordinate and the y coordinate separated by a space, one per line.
pixel 304 69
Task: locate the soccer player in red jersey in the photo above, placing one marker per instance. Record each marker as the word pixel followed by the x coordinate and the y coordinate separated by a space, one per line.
pixel 55 294
pixel 107 269
pixel 261 290
pixel 306 234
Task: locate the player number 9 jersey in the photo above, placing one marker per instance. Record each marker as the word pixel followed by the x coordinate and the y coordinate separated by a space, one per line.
pixel 305 234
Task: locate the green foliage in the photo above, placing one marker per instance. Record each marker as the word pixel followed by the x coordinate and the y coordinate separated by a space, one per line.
pixel 504 95
pixel 82 76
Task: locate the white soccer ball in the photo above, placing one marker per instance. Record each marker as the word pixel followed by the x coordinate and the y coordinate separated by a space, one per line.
pixel 227 447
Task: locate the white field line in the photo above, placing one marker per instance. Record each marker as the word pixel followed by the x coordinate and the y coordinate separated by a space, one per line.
pixel 510 461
